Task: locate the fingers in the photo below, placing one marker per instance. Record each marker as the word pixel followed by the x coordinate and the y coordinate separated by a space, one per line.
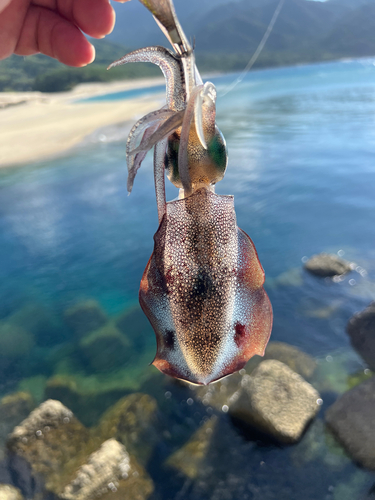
pixel 47 32
pixel 11 21
pixel 3 4
pixel 54 27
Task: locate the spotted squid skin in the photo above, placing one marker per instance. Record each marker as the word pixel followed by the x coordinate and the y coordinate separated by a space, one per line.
pixel 202 291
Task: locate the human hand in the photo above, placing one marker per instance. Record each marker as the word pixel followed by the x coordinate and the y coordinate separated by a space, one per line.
pixel 54 28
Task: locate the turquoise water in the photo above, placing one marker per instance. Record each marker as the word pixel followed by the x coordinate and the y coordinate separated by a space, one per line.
pixel 301 167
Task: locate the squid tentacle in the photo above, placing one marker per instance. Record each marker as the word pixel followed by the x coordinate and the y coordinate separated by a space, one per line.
pixel 159 179
pixel 162 132
pixel 150 120
pixel 171 68
pixel 138 158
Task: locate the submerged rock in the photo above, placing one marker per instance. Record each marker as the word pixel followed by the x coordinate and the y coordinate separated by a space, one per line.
pixel 52 453
pixel 13 409
pixel 134 422
pixel 106 348
pixel 276 400
pixel 46 448
pixel 325 265
pixel 293 357
pixel 15 342
pixel 190 457
pixel 109 473
pixel 8 492
pixel 40 322
pixel 361 330
pixel 90 396
pixel 134 324
pixel 332 375
pixel 351 419
pixel 291 277
pixel 319 446
pixel 85 317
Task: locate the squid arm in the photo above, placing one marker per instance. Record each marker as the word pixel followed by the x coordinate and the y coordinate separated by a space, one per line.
pixel 163 131
pixel 145 126
pixel 170 66
pixel 167 121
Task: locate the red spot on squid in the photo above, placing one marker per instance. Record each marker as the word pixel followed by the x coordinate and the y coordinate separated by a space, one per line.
pixel 240 334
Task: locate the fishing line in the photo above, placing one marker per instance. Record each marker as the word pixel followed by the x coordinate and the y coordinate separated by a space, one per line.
pixel 258 50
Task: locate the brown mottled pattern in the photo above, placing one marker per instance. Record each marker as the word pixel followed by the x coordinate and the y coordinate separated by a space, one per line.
pixel 196 258
pixel 202 291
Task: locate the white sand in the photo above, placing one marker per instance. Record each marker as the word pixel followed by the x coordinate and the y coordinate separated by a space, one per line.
pixel 36 126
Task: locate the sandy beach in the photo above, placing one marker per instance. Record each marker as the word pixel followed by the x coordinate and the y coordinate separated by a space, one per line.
pixel 35 126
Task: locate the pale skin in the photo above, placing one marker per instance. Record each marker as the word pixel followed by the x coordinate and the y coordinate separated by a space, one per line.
pixel 54 28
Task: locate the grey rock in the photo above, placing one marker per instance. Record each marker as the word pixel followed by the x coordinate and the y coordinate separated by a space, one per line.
pixel 50 413
pixel 8 492
pixel 361 330
pixel 325 265
pixel 104 467
pixel 351 419
pixel 109 473
pixel 46 448
pixel 276 400
pixel 85 317
pixel 52 455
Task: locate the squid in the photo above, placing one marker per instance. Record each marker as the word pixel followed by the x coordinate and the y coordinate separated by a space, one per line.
pixel 202 289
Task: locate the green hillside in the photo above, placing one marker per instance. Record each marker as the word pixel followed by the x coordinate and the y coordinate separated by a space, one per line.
pixel 42 73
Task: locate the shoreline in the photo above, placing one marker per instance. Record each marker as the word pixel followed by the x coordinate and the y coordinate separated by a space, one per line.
pixel 39 126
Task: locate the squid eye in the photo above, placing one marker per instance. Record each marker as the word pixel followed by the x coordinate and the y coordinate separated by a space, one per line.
pixel 170 339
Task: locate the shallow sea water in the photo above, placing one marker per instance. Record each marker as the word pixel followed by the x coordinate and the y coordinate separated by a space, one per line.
pixel 301 167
